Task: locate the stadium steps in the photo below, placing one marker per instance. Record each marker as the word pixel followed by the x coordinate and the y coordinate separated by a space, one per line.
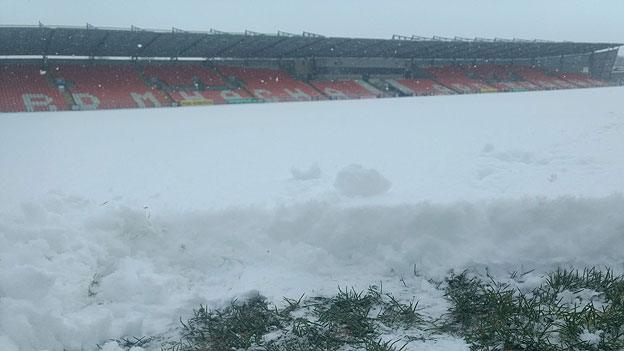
pixel 370 87
pixel 452 88
pixel 165 94
pixel 227 81
pixel 69 98
pixel 307 84
pixel 65 93
pixel 403 90
pixel 315 88
pixel 384 88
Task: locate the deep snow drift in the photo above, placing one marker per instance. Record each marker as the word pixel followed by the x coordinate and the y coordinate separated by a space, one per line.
pixel 117 223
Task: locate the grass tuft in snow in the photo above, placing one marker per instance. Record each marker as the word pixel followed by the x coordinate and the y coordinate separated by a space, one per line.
pixel 131 342
pixel 357 319
pixel 571 310
pixel 238 326
pixel 346 315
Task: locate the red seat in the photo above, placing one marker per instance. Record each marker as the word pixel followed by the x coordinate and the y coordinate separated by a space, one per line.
pixel 539 78
pixel 502 77
pixel 454 78
pixel 347 89
pixel 109 87
pixel 24 87
pixel 582 80
pixel 182 75
pixel 421 87
pixel 271 84
pixel 191 97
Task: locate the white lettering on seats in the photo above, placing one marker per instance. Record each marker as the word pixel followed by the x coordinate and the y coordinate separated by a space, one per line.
pixel 297 94
pixel 462 88
pixel 335 94
pixel 442 89
pixel 265 95
pixel 192 96
pixel 140 99
pixel 36 102
pixel 230 95
pixel 86 101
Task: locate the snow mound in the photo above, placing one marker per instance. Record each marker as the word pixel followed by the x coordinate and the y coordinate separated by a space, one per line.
pixel 357 181
pixel 74 276
pixel 314 172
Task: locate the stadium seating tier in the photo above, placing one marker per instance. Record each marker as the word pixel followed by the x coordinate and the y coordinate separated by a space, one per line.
pixel 271 85
pixel 84 86
pixel 27 88
pixel 108 87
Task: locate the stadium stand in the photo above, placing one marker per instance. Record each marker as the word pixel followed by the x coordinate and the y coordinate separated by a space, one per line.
pixel 340 89
pixel 48 68
pixel 419 87
pixel 27 88
pixel 582 80
pixel 211 97
pixel 453 77
pixel 541 79
pixel 501 77
pixel 271 85
pixel 104 86
pixel 184 75
pixel 193 84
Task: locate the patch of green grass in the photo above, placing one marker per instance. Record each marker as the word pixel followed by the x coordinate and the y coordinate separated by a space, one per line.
pixel 571 310
pixel 241 325
pixel 350 318
pixel 346 315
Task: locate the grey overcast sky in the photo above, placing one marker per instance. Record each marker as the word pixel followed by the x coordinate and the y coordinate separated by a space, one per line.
pixel 574 20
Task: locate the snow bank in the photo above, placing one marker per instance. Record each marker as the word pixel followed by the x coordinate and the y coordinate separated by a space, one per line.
pixel 73 276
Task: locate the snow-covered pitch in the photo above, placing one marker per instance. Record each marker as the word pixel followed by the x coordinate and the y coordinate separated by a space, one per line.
pixel 118 223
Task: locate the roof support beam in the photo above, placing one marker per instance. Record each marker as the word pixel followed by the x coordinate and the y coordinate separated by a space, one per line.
pixel 420 47
pixel 270 46
pixel 192 45
pixel 230 47
pixel 144 47
pixel 306 46
pixel 364 48
pixel 98 45
pixel 333 46
pixel 46 49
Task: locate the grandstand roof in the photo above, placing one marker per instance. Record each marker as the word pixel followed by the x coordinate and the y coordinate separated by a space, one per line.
pixel 175 43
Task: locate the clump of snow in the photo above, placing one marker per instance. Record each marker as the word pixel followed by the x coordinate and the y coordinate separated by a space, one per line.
pixel 590 338
pixel 313 172
pixel 582 298
pixel 357 181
